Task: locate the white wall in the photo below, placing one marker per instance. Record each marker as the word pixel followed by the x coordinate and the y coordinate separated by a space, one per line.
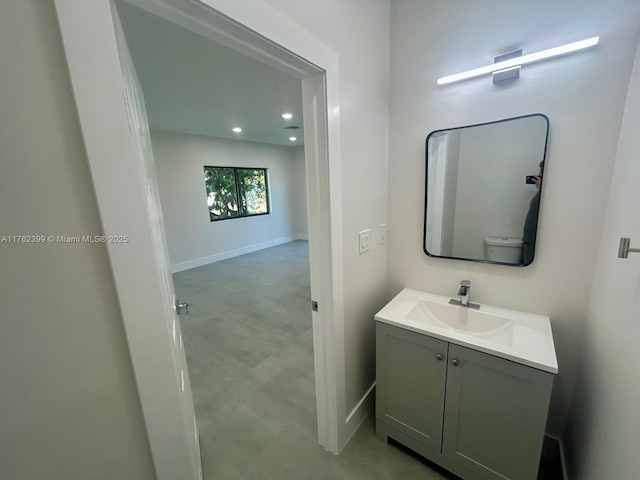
pixel 602 434
pixel 358 31
pixel 582 94
pixel 192 238
pixel 69 407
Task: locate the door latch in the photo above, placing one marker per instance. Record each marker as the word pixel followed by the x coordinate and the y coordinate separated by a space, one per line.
pixel 180 306
pixel 314 305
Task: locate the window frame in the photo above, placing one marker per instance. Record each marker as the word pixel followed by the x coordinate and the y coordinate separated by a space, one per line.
pixel 239 196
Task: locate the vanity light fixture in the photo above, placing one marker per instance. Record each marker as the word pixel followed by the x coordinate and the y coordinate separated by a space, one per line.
pixel 292 139
pixel 287 116
pixel 515 63
pixel 236 130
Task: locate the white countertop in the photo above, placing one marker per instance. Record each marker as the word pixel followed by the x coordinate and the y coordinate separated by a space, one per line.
pixel 526 338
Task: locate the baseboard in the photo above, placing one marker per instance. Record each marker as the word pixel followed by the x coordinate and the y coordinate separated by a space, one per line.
pixel 199 262
pixel 563 460
pixel 550 447
pixel 553 449
pixel 358 414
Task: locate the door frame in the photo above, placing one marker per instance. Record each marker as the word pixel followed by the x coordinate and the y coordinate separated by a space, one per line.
pixel 255 29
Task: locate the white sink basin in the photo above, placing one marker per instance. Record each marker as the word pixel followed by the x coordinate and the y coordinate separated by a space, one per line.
pixel 518 336
pixel 457 318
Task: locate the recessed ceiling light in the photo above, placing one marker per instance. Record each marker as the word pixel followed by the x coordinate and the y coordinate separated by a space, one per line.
pixel 287 116
pixel 293 139
pixel 236 130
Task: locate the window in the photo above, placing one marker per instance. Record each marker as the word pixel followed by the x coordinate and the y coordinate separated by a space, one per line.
pixel 236 192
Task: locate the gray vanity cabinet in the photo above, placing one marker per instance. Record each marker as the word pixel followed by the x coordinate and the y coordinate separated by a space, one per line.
pixel 477 415
pixel 495 415
pixel 412 368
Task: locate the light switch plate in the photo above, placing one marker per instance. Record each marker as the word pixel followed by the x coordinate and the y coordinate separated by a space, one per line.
pixel 383 233
pixel 364 240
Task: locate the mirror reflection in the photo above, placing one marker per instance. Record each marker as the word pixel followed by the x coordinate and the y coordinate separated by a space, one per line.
pixel 483 190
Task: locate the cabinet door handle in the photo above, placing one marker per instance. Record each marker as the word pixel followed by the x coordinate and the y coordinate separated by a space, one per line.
pixel 455 362
pixel 439 357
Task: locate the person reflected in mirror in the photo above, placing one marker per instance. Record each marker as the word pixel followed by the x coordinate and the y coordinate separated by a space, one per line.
pixel 531 220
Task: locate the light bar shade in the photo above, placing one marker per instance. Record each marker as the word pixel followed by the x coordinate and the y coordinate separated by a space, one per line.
pixel 532 57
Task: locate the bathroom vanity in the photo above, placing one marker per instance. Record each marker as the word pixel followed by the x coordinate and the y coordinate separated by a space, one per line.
pixel 467 389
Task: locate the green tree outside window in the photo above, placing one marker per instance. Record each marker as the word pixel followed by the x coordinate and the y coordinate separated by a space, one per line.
pixel 236 192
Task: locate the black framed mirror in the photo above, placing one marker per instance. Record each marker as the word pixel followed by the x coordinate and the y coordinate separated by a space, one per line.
pixel 483 190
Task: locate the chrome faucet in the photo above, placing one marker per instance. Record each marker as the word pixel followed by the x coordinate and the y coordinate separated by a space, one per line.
pixel 464 292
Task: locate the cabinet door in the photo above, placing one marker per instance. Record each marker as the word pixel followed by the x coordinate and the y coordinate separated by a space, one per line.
pixel 495 415
pixel 411 374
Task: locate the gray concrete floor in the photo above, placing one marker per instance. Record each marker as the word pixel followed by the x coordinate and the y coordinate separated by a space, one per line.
pixel 249 347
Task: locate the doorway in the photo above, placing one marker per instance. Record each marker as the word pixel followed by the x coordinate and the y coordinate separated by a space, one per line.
pixel 248 334
pixel 88 30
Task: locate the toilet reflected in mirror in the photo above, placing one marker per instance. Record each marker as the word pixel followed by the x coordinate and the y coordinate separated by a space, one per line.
pixel 503 249
pixel 483 189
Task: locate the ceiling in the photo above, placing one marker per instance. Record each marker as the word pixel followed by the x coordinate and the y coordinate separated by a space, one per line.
pixel 194 85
